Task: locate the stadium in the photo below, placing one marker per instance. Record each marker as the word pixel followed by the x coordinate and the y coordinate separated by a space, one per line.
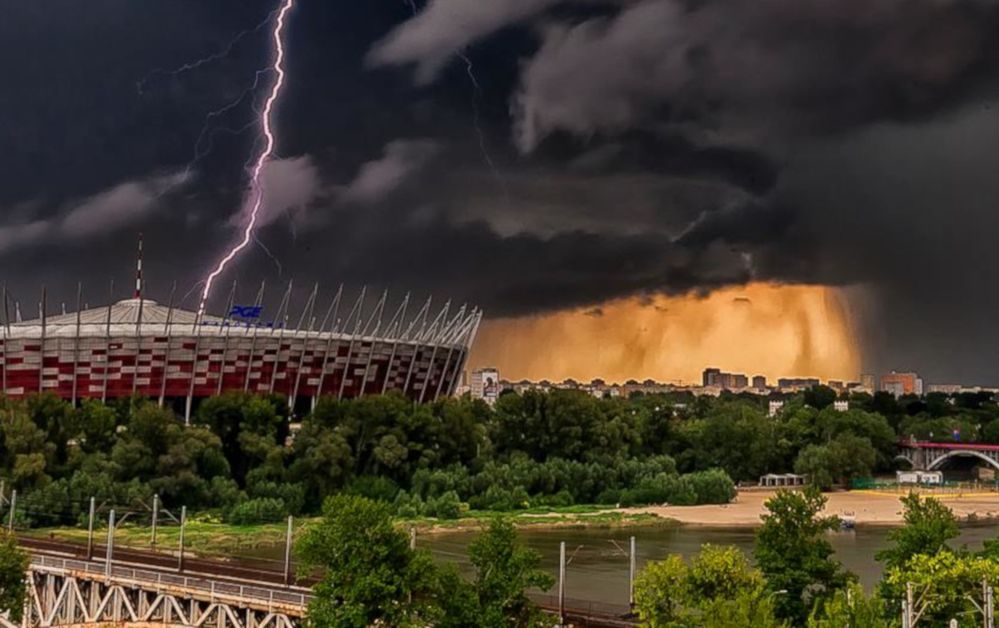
pixel 138 346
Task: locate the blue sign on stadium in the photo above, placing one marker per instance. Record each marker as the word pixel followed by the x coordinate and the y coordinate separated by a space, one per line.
pixel 246 311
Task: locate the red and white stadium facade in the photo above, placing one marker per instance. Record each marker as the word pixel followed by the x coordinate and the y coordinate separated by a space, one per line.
pixel 140 347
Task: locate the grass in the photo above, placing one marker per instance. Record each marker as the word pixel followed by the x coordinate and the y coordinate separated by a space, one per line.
pixel 206 536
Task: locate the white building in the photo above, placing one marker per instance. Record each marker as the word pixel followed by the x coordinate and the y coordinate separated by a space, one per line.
pixel 485 384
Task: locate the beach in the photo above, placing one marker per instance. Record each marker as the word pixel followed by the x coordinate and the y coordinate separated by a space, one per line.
pixel 863 507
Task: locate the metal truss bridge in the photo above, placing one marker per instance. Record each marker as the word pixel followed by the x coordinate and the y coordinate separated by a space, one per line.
pixel 65 589
pixel 72 586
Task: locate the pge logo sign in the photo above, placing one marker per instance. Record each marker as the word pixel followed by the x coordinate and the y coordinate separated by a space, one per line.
pixel 246 311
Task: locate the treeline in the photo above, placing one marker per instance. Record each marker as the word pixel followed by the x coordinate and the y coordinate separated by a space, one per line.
pixel 536 449
pixel 239 459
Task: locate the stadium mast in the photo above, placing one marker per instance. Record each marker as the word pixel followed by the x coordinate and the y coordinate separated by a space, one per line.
pixel 138 270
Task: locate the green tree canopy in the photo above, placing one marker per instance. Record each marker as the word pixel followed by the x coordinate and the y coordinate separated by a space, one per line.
pixel 717 588
pixel 13 566
pixel 927 528
pixel 370 573
pixel 794 555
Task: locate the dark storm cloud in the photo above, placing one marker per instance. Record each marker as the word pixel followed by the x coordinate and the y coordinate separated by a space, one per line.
pixel 605 148
pixel 748 67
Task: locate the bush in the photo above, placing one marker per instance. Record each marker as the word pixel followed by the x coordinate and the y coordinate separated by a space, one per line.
pixel 378 488
pixel 256 511
pixel 713 486
pixel 447 506
pixel 292 494
pixel 408 506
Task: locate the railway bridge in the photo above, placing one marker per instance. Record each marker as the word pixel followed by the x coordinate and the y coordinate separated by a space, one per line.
pixel 931 456
pixel 76 586
pixel 65 588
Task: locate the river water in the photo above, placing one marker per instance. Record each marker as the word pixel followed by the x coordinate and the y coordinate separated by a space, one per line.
pixel 598 558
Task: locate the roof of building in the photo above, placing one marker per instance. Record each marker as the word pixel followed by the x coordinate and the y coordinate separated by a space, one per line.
pixel 146 317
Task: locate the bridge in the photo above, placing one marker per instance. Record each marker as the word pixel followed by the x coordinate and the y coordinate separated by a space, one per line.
pixel 73 586
pixel 66 588
pixel 931 456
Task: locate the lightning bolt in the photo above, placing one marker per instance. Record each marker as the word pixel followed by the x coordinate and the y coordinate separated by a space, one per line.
pixel 476 122
pixel 256 191
pixel 215 56
pixel 476 113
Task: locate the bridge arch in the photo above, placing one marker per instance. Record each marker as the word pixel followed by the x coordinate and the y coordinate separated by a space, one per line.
pixel 939 460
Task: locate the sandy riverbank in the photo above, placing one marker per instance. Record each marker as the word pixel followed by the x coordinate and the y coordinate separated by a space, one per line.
pixel 865 507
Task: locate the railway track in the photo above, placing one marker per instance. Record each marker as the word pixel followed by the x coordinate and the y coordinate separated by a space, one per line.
pixel 578 613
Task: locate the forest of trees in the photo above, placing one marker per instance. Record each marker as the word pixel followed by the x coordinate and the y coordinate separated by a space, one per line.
pixel 532 449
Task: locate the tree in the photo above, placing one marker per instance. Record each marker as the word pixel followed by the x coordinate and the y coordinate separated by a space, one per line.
pixel 371 574
pixel 794 555
pixel 660 591
pixel 946 585
pixel 928 525
pixel 851 608
pixel 820 397
pixel 503 570
pixel 249 428
pixel 840 460
pixel 13 566
pixel 718 588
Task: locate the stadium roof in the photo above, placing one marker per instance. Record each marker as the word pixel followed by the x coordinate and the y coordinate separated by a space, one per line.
pixel 145 317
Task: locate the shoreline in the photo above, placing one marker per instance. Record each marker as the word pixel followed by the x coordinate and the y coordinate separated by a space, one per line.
pixel 867 509
pixel 864 507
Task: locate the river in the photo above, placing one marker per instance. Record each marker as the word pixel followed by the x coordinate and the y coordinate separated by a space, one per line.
pixel 598 558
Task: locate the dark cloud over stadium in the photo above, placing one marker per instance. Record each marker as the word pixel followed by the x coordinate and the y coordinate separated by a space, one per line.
pixel 606 149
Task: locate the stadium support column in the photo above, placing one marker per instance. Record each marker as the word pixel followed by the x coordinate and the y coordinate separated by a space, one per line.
pixel 398 320
pixel 356 310
pixel 138 325
pixel 310 308
pixel 379 309
pixel 6 336
pixel 189 402
pixel 107 345
pixel 453 328
pixel 166 352
pixel 225 342
pixel 424 313
pixel 41 367
pixel 331 315
pixel 434 332
pixel 430 371
pixel 467 350
pixel 282 319
pixel 76 342
pixel 253 339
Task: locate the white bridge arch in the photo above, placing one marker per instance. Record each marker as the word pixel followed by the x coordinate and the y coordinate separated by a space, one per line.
pixel 930 456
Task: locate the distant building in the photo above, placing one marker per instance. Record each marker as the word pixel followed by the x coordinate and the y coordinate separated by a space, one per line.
pixel 728 381
pixel 797 383
pixel 900 384
pixel 759 382
pixel 947 389
pixel 841 405
pixel 919 477
pixel 774 407
pixel 867 380
pixel 485 384
pixel 710 377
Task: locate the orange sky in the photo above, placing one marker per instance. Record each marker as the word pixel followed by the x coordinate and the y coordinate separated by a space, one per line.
pixel 765 329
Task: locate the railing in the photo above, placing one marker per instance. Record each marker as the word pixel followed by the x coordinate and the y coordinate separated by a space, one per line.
pixel 161 580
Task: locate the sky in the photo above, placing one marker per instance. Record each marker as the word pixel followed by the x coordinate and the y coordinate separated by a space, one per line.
pixel 595 167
